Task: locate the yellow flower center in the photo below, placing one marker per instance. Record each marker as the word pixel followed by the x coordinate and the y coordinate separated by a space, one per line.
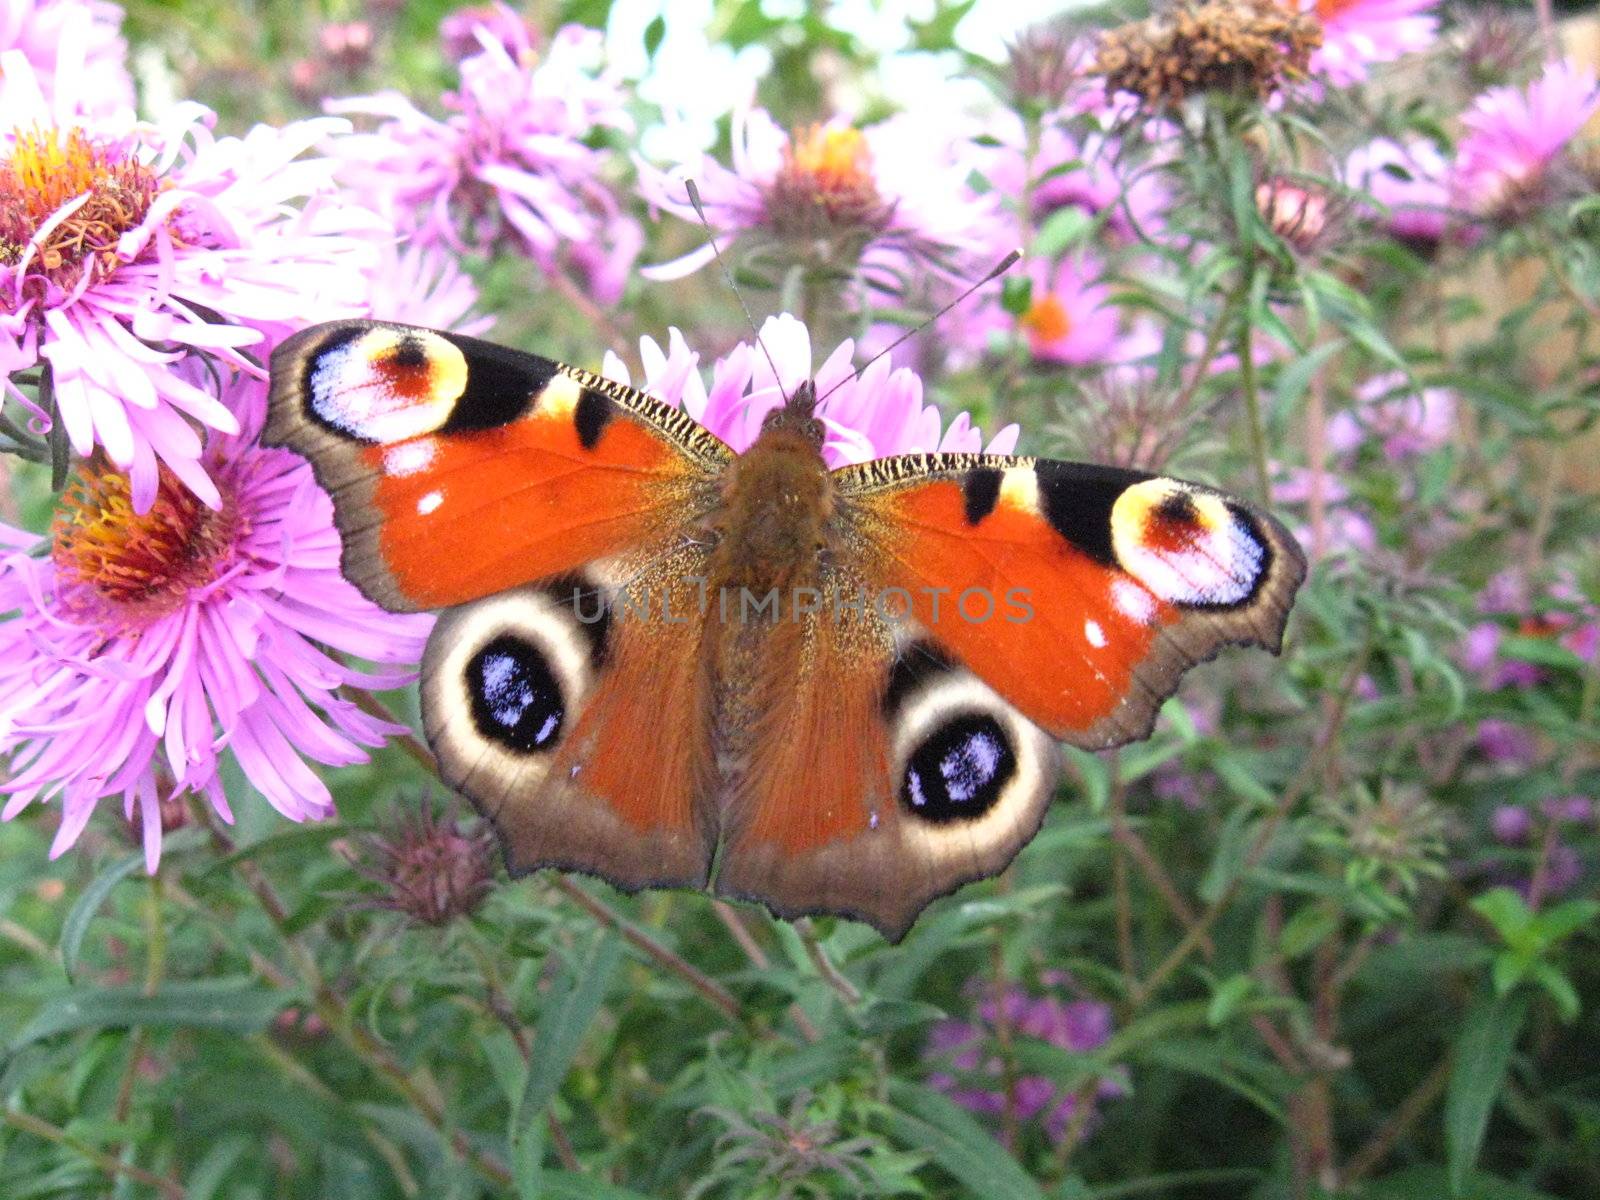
pixel 143 563
pixel 1047 320
pixel 51 168
pixel 826 185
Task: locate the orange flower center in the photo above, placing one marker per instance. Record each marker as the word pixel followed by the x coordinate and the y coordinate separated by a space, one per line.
pixel 144 563
pixel 52 168
pixel 1046 319
pixel 1327 10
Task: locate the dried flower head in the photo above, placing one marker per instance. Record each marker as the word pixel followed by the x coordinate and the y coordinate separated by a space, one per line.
pixel 1044 64
pixel 1251 47
pixel 433 870
pixel 1497 46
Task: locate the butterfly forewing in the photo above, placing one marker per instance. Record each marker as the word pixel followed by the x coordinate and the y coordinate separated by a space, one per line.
pixel 1080 593
pixel 459 468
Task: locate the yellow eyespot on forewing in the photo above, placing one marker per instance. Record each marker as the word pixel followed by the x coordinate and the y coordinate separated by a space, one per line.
pixel 1187 545
pixel 386 385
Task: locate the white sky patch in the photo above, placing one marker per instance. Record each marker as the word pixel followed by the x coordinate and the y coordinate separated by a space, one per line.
pixel 430 502
pixel 697 83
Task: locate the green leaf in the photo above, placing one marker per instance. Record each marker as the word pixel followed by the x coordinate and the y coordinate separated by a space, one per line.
pixel 1560 988
pixel 654 33
pixel 88 904
pixel 1225 1001
pixel 1062 229
pixel 924 1120
pixel 1483 1051
pixel 1307 929
pixel 570 1008
pixel 234 1005
pixel 1506 911
pixel 1565 919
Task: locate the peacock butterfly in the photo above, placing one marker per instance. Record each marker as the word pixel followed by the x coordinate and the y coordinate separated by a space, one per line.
pixel 672 665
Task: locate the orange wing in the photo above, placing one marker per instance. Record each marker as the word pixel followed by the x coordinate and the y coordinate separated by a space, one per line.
pixel 459 468
pixel 1080 593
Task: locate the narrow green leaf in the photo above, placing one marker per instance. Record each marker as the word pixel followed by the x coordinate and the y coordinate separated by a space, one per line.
pixel 234 1005
pixel 924 1120
pixel 570 1008
pixel 1483 1052
pixel 88 904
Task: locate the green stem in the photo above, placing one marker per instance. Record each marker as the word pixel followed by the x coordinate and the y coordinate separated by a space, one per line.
pixel 1252 404
pixel 171 1189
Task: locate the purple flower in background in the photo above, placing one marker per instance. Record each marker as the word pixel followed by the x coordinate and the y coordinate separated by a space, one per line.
pixel 1517 136
pixel 140 246
pixel 1411 181
pixel 969 1047
pixel 462 31
pixel 1409 421
pixel 509 162
pixel 889 200
pixel 75 42
pixel 1091 173
pixel 146 645
pixel 1360 34
pixel 1504 742
pixel 871 415
pixel 1563 615
pixel 1511 824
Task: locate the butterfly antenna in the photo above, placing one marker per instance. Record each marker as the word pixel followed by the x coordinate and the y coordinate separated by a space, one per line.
pixel 716 251
pixel 1000 268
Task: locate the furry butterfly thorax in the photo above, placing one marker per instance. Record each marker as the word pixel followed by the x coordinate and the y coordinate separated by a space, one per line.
pixel 826 690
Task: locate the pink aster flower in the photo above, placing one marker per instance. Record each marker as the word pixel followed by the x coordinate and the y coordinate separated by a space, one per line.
pixel 886 201
pixel 77 41
pixel 1070 317
pixel 140 246
pixel 423 285
pixel 875 413
pixel 1516 137
pixel 1360 34
pixel 509 163
pixel 1411 181
pixel 970 1048
pixel 1408 421
pixel 145 647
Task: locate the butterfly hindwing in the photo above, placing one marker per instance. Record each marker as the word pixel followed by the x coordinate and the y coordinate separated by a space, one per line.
pixel 890 777
pixel 459 468
pixel 578 724
pixel 1080 593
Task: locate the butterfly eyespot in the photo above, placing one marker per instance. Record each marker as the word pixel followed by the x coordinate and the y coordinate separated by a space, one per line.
pixel 1188 546
pixel 959 771
pixel 385 385
pixel 516 699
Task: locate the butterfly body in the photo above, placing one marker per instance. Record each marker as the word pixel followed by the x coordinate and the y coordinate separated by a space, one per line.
pixel 828 690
